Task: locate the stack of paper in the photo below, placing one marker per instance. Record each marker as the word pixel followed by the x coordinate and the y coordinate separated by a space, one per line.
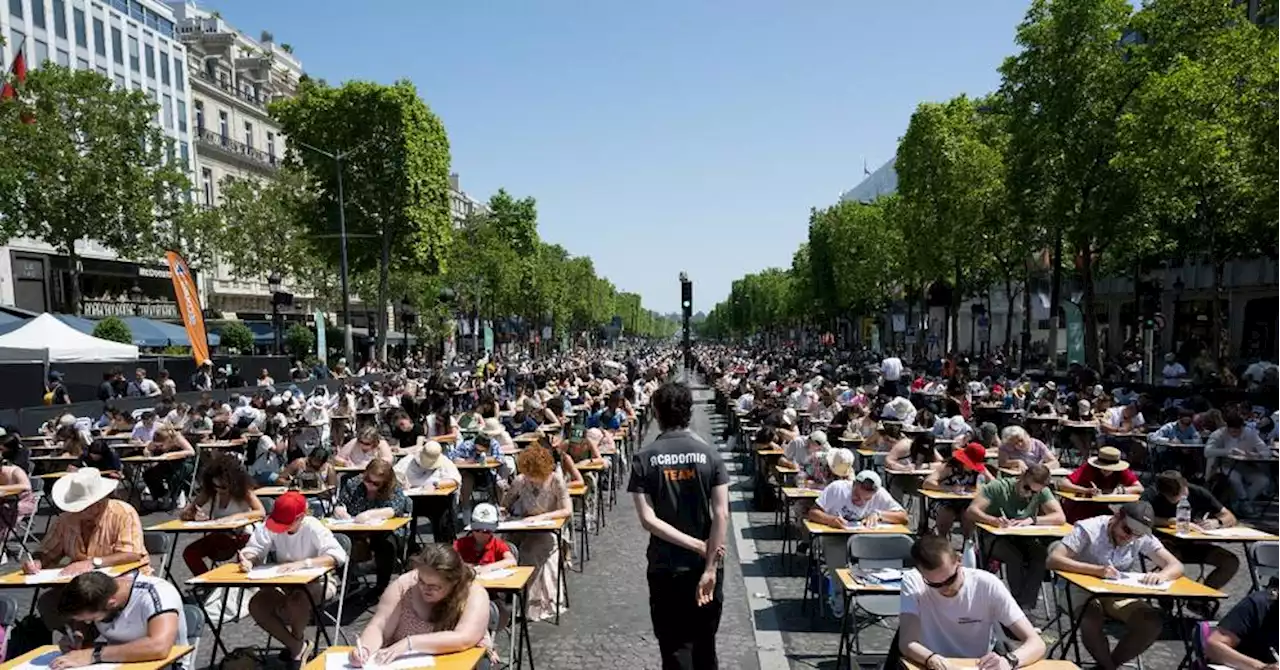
pixel 1237 531
pixel 496 574
pixel 523 523
pixel 407 662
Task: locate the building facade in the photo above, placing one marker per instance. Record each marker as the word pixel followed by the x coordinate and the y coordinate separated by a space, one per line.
pixel 134 43
pixel 233 79
pixel 462 205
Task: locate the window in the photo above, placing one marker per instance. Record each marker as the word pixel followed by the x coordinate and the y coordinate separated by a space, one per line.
pixel 15 40
pixel 182 115
pixel 119 81
pixel 164 68
pixel 271 145
pixel 64 58
pixel 166 111
pixel 102 69
pixel 179 76
pixel 42 53
pixel 151 93
pixel 82 64
pixel 82 32
pixel 37 13
pixel 99 37
pixel 248 134
pixel 151 61
pixel 206 180
pixel 223 126
pixel 199 115
pixel 60 18
pixel 117 46
pixel 211 68
pixel 15 10
pixel 184 150
pixel 133 54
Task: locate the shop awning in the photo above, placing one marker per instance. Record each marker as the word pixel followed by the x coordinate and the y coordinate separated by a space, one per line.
pixel 152 333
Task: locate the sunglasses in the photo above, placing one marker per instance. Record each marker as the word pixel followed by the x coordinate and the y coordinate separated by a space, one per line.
pixel 944 583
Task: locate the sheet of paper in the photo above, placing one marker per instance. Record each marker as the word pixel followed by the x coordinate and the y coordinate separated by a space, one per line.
pixel 1238 531
pixel 1029 530
pixel 1134 580
pixel 273 571
pixel 496 574
pixel 43 661
pixel 206 523
pixel 45 576
pixel 522 523
pixel 406 662
pixel 886 575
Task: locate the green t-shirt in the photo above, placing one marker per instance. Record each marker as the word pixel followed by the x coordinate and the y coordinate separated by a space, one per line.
pixel 1004 498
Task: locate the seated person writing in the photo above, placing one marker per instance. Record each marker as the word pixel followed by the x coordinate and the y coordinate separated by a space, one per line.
pixel 1022 501
pixel 127 619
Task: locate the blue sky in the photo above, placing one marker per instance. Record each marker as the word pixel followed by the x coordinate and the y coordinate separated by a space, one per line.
pixel 664 135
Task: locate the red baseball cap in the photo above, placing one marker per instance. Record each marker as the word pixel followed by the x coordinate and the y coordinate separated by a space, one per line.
pixel 973 457
pixel 288 509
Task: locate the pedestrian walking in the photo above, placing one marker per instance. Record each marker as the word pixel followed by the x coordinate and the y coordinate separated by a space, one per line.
pixel 681 491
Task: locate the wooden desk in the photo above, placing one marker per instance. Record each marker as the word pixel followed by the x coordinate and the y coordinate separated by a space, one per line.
pixel 794 493
pixel 18 580
pixel 385 526
pixel 277 491
pixel 511 527
pixel 1106 499
pixel 180 526
pixel 1055 472
pixel 882 529
pixel 947 495
pixel 230 576
pixel 423 492
pixel 517 584
pixel 177 652
pixel 463 660
pixel 1246 536
pixel 489 464
pixel 973 663
pixel 170 456
pixel 1060 530
pixel 852 584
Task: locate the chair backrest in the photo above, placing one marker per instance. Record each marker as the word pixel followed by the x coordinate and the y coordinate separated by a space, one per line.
pixel 494 618
pixel 195 622
pixel 8 611
pixel 515 552
pixel 1266 561
pixel 157 543
pixel 344 542
pixel 37 487
pixel 879 551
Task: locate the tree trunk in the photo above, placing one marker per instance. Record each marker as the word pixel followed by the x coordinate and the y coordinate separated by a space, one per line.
pixel 1218 270
pixel 954 321
pixel 910 348
pixel 1055 296
pixel 384 277
pixel 1008 317
pixel 1088 314
pixel 73 261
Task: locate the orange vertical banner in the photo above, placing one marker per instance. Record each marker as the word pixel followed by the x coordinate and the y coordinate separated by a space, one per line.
pixel 184 290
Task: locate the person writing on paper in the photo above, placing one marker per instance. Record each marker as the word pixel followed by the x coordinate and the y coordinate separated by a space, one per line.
pixel 367 445
pixel 438 607
pixel 128 619
pixel 949 611
pixel 93 531
pixel 430 470
pixel 1206 514
pixel 539 493
pixel 1022 501
pixel 481 547
pixel 1018 451
pixel 168 479
pixel 1247 637
pixel 226 494
pixel 374 497
pixel 300 542
pixel 1104 474
pixel 844 504
pixel 312 472
pixel 1105 547
pixel 10 514
pixel 964 471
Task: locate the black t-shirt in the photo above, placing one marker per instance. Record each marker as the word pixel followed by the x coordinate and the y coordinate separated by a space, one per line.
pixel 677 471
pixel 1202 503
pixel 407 438
pixel 1253 620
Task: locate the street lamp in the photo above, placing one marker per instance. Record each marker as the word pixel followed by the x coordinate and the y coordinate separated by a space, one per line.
pixel 273 284
pixel 337 158
pixel 1178 287
pixel 405 305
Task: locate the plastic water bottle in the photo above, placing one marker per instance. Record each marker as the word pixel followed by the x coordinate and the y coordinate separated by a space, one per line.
pixel 1184 516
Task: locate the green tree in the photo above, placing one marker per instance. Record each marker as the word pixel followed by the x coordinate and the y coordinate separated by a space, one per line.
pixel 299 340
pixel 93 166
pixel 236 337
pixel 396 177
pixel 115 329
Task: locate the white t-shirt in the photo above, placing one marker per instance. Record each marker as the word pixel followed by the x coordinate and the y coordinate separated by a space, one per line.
pixel 797 450
pixel 1115 418
pixel 149 597
pixel 961 626
pixel 1091 543
pixel 148 387
pixel 144 433
pixel 837 500
pixel 434 431
pixel 891 369
pixel 312 540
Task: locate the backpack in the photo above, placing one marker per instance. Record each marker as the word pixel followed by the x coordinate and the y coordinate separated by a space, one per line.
pixel 29 633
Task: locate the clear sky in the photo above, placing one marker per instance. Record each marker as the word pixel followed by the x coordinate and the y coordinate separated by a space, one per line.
pixel 663 135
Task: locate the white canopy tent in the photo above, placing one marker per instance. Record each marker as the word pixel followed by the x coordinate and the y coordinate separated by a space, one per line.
pixel 49 339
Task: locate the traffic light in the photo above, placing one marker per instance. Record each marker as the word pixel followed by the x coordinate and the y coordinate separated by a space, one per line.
pixel 686 297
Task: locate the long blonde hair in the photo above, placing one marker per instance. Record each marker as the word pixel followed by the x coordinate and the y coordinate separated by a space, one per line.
pixel 444 560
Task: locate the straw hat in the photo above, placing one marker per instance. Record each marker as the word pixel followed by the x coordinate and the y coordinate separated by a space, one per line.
pixel 431 455
pixel 492 427
pixel 81 489
pixel 1108 459
pixel 841 462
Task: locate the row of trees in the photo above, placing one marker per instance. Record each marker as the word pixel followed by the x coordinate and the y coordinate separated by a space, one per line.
pixel 81 160
pixel 1118 139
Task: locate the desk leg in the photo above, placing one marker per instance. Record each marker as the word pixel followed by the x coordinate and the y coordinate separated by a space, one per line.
pixel 1068 640
pixel 843 648
pixel 318 614
pixel 1250 565
pixel 563 579
pixel 168 563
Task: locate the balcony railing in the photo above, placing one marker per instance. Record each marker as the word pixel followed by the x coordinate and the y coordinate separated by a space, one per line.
pixel 229 145
pixel 96 309
pixel 258 100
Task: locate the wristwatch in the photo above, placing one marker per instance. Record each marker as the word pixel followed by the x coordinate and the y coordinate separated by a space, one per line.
pixel 1012 658
pixel 97 651
pixel 96 561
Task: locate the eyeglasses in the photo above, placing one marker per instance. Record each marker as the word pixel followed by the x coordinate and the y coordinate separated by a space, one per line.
pixel 944 583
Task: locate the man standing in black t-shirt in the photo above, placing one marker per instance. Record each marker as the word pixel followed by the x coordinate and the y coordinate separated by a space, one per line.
pixel 681 491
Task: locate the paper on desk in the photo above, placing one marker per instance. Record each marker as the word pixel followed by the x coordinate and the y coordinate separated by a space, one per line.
pixel 496 574
pixel 43 661
pixel 273 571
pixel 1030 530
pixel 406 662
pixel 523 523
pixel 1134 580
pixel 1237 531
